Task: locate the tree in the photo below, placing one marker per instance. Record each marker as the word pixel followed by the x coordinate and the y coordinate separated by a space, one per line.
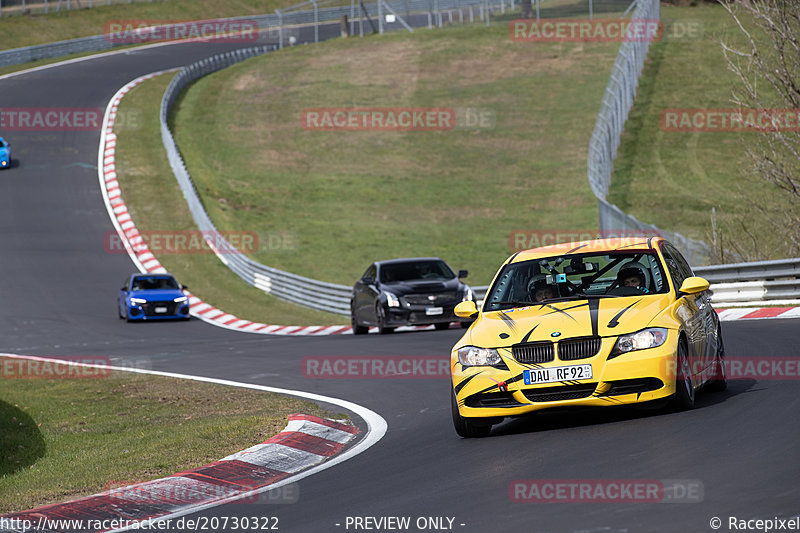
pixel 767 66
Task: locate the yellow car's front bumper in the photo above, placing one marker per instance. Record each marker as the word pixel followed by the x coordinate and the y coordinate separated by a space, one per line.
pixel 634 377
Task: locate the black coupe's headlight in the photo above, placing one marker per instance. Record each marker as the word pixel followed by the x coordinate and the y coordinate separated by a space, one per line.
pixel 474 356
pixel 641 340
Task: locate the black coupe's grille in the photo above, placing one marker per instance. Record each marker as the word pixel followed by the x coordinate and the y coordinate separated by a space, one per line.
pixel 431 299
pixel 572 349
pixel 150 308
pixel 560 392
pixel 540 352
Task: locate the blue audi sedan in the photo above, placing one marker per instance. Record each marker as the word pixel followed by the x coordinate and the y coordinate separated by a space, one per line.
pixel 152 297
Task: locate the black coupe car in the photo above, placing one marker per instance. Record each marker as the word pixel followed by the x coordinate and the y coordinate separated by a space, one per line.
pixel 408 292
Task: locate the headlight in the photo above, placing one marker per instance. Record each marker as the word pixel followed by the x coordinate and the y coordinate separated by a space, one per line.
pixel 474 356
pixel 392 300
pixel 180 299
pixel 641 340
pixel 468 295
pixel 138 301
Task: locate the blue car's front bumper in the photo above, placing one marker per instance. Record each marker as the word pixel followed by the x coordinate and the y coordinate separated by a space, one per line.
pixel 155 310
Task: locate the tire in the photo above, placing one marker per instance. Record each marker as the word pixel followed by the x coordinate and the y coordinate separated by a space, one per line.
pixel 358 329
pixel 465 325
pixel 383 330
pixel 684 386
pixel 442 325
pixel 469 428
pixel 720 381
pixel 119 313
pixel 127 314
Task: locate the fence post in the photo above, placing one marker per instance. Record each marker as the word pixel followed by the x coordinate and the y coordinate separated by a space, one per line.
pixel 316 21
pixel 280 28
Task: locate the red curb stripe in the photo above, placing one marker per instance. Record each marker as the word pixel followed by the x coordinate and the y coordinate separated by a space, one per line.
pixel 246 476
pixel 307 443
pixel 768 312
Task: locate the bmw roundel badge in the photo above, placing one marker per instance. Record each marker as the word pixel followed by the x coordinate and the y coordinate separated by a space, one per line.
pixel 555 334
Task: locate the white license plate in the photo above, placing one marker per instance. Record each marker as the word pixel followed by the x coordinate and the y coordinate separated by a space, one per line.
pixel 557 373
pixel 161 309
pixel 434 311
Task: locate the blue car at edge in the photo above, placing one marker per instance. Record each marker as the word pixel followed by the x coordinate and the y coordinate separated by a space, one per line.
pixel 152 297
pixel 5 154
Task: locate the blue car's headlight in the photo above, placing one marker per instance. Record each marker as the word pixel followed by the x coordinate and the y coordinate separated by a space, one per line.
pixel 138 301
pixel 180 299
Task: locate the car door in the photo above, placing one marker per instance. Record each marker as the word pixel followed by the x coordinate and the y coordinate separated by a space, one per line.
pixel 692 308
pixel 709 319
pixel 364 295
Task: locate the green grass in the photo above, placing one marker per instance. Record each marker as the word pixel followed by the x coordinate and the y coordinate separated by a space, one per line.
pixel 28 30
pixel 354 197
pixel 65 438
pixel 673 179
pixel 156 204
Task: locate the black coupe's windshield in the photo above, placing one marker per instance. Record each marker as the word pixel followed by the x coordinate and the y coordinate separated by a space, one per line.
pixel 149 283
pixel 416 270
pixel 575 277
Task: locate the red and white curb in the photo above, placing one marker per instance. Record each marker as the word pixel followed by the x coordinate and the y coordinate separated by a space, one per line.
pixel 138 249
pixel 758 313
pixel 307 445
pixel 242 477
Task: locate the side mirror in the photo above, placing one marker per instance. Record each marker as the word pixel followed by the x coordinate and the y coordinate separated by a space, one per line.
pixel 124 288
pixel 367 280
pixel 183 287
pixel 693 285
pixel 466 309
pixel 462 274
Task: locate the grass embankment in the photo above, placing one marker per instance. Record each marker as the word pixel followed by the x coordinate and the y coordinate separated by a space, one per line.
pixel 674 179
pixel 156 204
pixel 65 438
pixel 353 197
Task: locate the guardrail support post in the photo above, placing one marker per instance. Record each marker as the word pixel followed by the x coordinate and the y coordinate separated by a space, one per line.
pixel 280 28
pixel 316 21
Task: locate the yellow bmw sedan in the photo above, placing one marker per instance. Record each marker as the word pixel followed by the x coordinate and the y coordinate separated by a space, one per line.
pixel 591 323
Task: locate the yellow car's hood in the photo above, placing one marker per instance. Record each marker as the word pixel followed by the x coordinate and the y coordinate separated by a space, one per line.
pixel 560 320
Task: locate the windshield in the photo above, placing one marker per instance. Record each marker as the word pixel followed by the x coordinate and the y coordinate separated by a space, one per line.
pixel 416 270
pixel 577 276
pixel 149 283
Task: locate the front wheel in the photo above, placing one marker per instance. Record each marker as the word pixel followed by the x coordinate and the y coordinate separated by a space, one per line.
pixel 358 329
pixel 466 427
pixel 684 385
pixel 381 316
pixel 720 381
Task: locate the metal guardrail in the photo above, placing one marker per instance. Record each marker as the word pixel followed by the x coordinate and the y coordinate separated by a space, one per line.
pixel 614 109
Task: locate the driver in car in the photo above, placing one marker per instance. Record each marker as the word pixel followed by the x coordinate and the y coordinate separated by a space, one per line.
pixel 541 291
pixel 632 277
